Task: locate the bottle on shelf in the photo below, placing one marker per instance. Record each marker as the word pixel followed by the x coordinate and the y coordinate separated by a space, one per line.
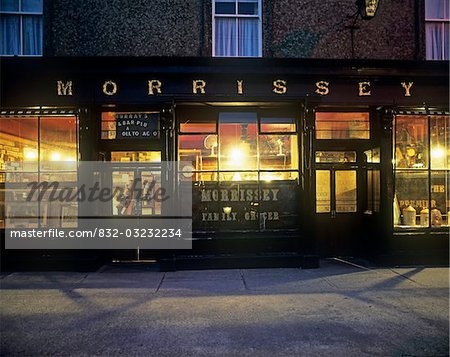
pixel 409 216
pixel 424 217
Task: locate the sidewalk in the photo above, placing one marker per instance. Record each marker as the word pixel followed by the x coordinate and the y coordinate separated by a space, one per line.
pixel 337 310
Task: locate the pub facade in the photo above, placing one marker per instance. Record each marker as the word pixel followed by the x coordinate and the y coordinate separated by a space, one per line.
pixel 289 159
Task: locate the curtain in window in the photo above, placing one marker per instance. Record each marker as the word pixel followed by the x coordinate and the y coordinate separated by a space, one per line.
pixel 437 9
pixel 434 40
pixel 225 37
pixel 32 35
pixel 9 35
pixel 248 37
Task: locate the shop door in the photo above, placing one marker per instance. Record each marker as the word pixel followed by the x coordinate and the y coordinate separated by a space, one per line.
pixel 347 200
pixel 131 177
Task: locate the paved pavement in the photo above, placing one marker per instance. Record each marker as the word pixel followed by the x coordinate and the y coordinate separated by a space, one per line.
pixel 337 310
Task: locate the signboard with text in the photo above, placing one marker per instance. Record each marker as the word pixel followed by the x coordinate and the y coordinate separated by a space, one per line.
pixel 137 125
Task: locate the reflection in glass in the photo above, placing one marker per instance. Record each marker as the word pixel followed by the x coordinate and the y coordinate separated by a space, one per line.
pixel 411 144
pixel 345 190
pixel 335 156
pixel 323 191
pixel 278 152
pixel 200 150
pixel 440 141
pixel 342 125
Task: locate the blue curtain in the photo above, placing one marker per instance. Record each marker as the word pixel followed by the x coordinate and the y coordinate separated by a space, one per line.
pixel 248 37
pixel 9 35
pixel 225 37
pixel 32 35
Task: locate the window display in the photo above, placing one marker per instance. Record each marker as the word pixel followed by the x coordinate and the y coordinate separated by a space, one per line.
pixel 41 148
pixel 421 190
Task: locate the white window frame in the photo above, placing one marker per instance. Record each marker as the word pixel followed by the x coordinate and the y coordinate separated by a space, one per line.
pixel 442 22
pixel 21 14
pixel 237 16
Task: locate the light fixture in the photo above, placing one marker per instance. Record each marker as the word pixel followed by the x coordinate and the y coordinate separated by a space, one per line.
pixel 437 153
pixel 30 154
pixel 55 156
pixel 226 210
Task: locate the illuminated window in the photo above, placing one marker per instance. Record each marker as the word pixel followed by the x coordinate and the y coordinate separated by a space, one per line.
pixel 422 170
pixel 342 125
pixel 40 148
pixel 437 29
pixel 21 27
pixel 237 28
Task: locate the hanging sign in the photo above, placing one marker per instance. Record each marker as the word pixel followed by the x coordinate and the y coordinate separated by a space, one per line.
pixel 137 125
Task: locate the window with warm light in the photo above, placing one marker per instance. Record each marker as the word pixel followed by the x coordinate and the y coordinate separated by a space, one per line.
pixel 437 29
pixel 244 168
pixel 352 125
pixel 237 30
pixel 422 171
pixel 21 27
pixel 40 148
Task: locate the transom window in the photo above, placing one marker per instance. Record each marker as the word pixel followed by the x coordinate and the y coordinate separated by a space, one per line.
pixel 237 28
pixel 437 28
pixel 21 27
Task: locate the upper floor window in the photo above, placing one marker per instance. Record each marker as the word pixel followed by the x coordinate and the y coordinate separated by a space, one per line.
pixel 21 27
pixel 237 28
pixel 437 29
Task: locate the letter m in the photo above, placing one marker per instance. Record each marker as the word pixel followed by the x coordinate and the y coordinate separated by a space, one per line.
pixel 64 88
pixel 41 188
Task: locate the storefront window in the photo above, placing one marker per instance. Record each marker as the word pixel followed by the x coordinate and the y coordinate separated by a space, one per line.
pixel 235 157
pixel 342 125
pixel 421 192
pixel 41 148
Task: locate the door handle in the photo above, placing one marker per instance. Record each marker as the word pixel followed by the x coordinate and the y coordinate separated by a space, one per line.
pixel 333 213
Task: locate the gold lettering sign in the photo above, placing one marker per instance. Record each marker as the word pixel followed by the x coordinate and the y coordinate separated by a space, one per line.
pixel 279 86
pixel 198 85
pixel 364 89
pixel 407 88
pixel 154 85
pixel 64 88
pixel 322 88
pixel 110 88
pixel 240 86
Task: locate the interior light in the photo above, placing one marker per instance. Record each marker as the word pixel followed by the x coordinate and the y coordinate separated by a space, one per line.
pixel 437 153
pixel 55 156
pixel 237 177
pixel 70 159
pixel 30 154
pixel 227 210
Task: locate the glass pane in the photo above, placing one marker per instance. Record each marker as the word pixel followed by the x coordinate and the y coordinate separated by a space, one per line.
pixel 411 197
pixel 323 191
pixel 411 147
pixel 342 126
pixel 108 125
pixel 335 156
pixel 278 176
pixel 248 7
pixel 32 5
pixel 372 156
pixel 277 125
pixel 440 141
pixel 58 140
pixel 345 190
pixel 373 190
pixel 136 156
pixel 151 184
pixel 10 35
pixel 225 37
pixel 198 127
pixel 123 204
pixel 9 5
pixel 248 37
pixel 440 198
pixel 19 143
pixel 238 141
pixel 278 152
pixel 32 35
pixel 437 9
pixel 200 150
pixel 238 176
pixel 225 7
